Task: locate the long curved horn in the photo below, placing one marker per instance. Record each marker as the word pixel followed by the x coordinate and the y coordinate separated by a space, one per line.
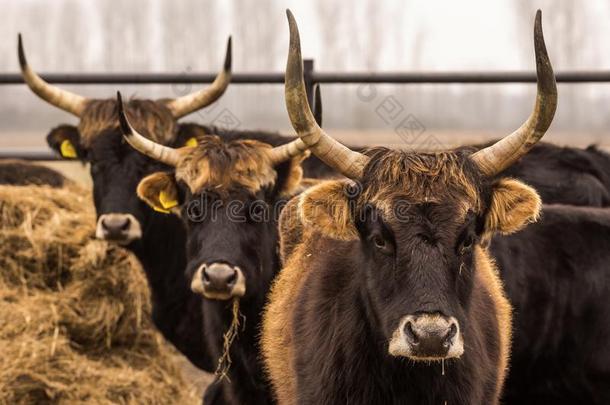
pixel 162 153
pixel 184 105
pixel 67 101
pixel 330 151
pixel 287 151
pixel 506 151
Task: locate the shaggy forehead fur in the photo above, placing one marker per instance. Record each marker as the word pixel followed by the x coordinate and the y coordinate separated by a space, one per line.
pixel 214 163
pixel 420 178
pixel 151 118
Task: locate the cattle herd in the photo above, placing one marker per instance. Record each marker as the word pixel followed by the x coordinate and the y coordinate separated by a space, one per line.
pixel 300 270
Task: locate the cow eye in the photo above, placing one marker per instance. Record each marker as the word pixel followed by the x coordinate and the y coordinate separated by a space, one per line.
pixel 379 242
pixel 467 244
pixel 382 244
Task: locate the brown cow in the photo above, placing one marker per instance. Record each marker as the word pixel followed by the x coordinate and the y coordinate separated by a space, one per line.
pixel 388 293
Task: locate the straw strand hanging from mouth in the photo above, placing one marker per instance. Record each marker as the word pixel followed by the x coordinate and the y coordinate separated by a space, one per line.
pixel 224 362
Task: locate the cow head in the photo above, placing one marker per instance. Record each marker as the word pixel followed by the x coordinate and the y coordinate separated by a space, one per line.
pixel 419 221
pixel 226 193
pixel 115 167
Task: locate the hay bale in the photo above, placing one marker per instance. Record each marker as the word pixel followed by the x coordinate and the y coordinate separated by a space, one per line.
pixel 74 311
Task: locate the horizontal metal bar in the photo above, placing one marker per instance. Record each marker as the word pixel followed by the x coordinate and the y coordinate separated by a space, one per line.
pixel 316 77
pixel 458 77
pixel 145 78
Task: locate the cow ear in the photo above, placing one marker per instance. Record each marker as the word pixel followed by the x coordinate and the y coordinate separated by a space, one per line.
pixel 188 135
pixel 65 140
pixel 513 205
pixel 290 175
pixel 326 208
pixel 160 191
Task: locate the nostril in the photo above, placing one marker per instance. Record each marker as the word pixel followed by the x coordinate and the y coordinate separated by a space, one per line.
pixel 232 278
pixel 206 276
pixel 126 223
pixel 104 225
pixel 450 334
pixel 410 334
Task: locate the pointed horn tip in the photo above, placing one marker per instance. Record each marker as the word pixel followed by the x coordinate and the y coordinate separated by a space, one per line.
pixel 292 22
pixel 229 55
pixel 22 61
pixel 538 23
pixel 295 61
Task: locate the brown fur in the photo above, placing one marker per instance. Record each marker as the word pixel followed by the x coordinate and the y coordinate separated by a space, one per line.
pixel 513 206
pixel 243 163
pixel 420 177
pixel 293 184
pixel 324 210
pixel 488 276
pixel 151 118
pixel 276 341
pixel 151 186
pixel 223 166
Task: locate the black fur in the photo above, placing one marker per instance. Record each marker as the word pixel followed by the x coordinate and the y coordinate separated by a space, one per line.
pixel 557 275
pixel 357 292
pixel 565 175
pixel 251 245
pixel 20 173
pixel 116 170
pixel 342 352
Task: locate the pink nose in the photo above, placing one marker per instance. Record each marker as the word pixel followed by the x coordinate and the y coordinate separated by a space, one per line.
pixel 219 277
pixel 121 228
pixel 430 335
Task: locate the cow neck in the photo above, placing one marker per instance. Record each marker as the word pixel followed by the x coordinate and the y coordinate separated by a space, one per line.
pixel 246 364
pixel 162 251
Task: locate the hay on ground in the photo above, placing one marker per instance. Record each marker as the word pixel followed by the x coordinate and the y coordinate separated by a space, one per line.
pixel 74 311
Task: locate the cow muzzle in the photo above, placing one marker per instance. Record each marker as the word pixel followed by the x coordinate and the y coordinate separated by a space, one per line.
pixel 427 337
pixel 219 281
pixel 119 228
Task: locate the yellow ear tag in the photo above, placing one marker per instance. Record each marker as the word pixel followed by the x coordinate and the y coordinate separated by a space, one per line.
pixel 160 210
pixel 67 149
pixel 166 201
pixel 191 142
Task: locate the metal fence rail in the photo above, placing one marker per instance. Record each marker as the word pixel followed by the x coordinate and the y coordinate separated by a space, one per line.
pixel 311 78
pixel 314 77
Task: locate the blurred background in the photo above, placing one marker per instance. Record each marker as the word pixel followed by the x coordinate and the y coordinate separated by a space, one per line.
pixel 102 36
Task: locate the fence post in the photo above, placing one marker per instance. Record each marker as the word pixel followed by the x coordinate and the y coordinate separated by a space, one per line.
pixel 308 65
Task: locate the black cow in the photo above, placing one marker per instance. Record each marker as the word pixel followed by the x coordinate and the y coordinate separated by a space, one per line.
pixel 388 294
pixel 228 193
pixel 116 169
pixel 20 173
pixel 157 239
pixel 557 275
pixel 565 175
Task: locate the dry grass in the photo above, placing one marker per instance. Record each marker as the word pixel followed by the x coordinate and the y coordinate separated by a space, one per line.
pixel 74 311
